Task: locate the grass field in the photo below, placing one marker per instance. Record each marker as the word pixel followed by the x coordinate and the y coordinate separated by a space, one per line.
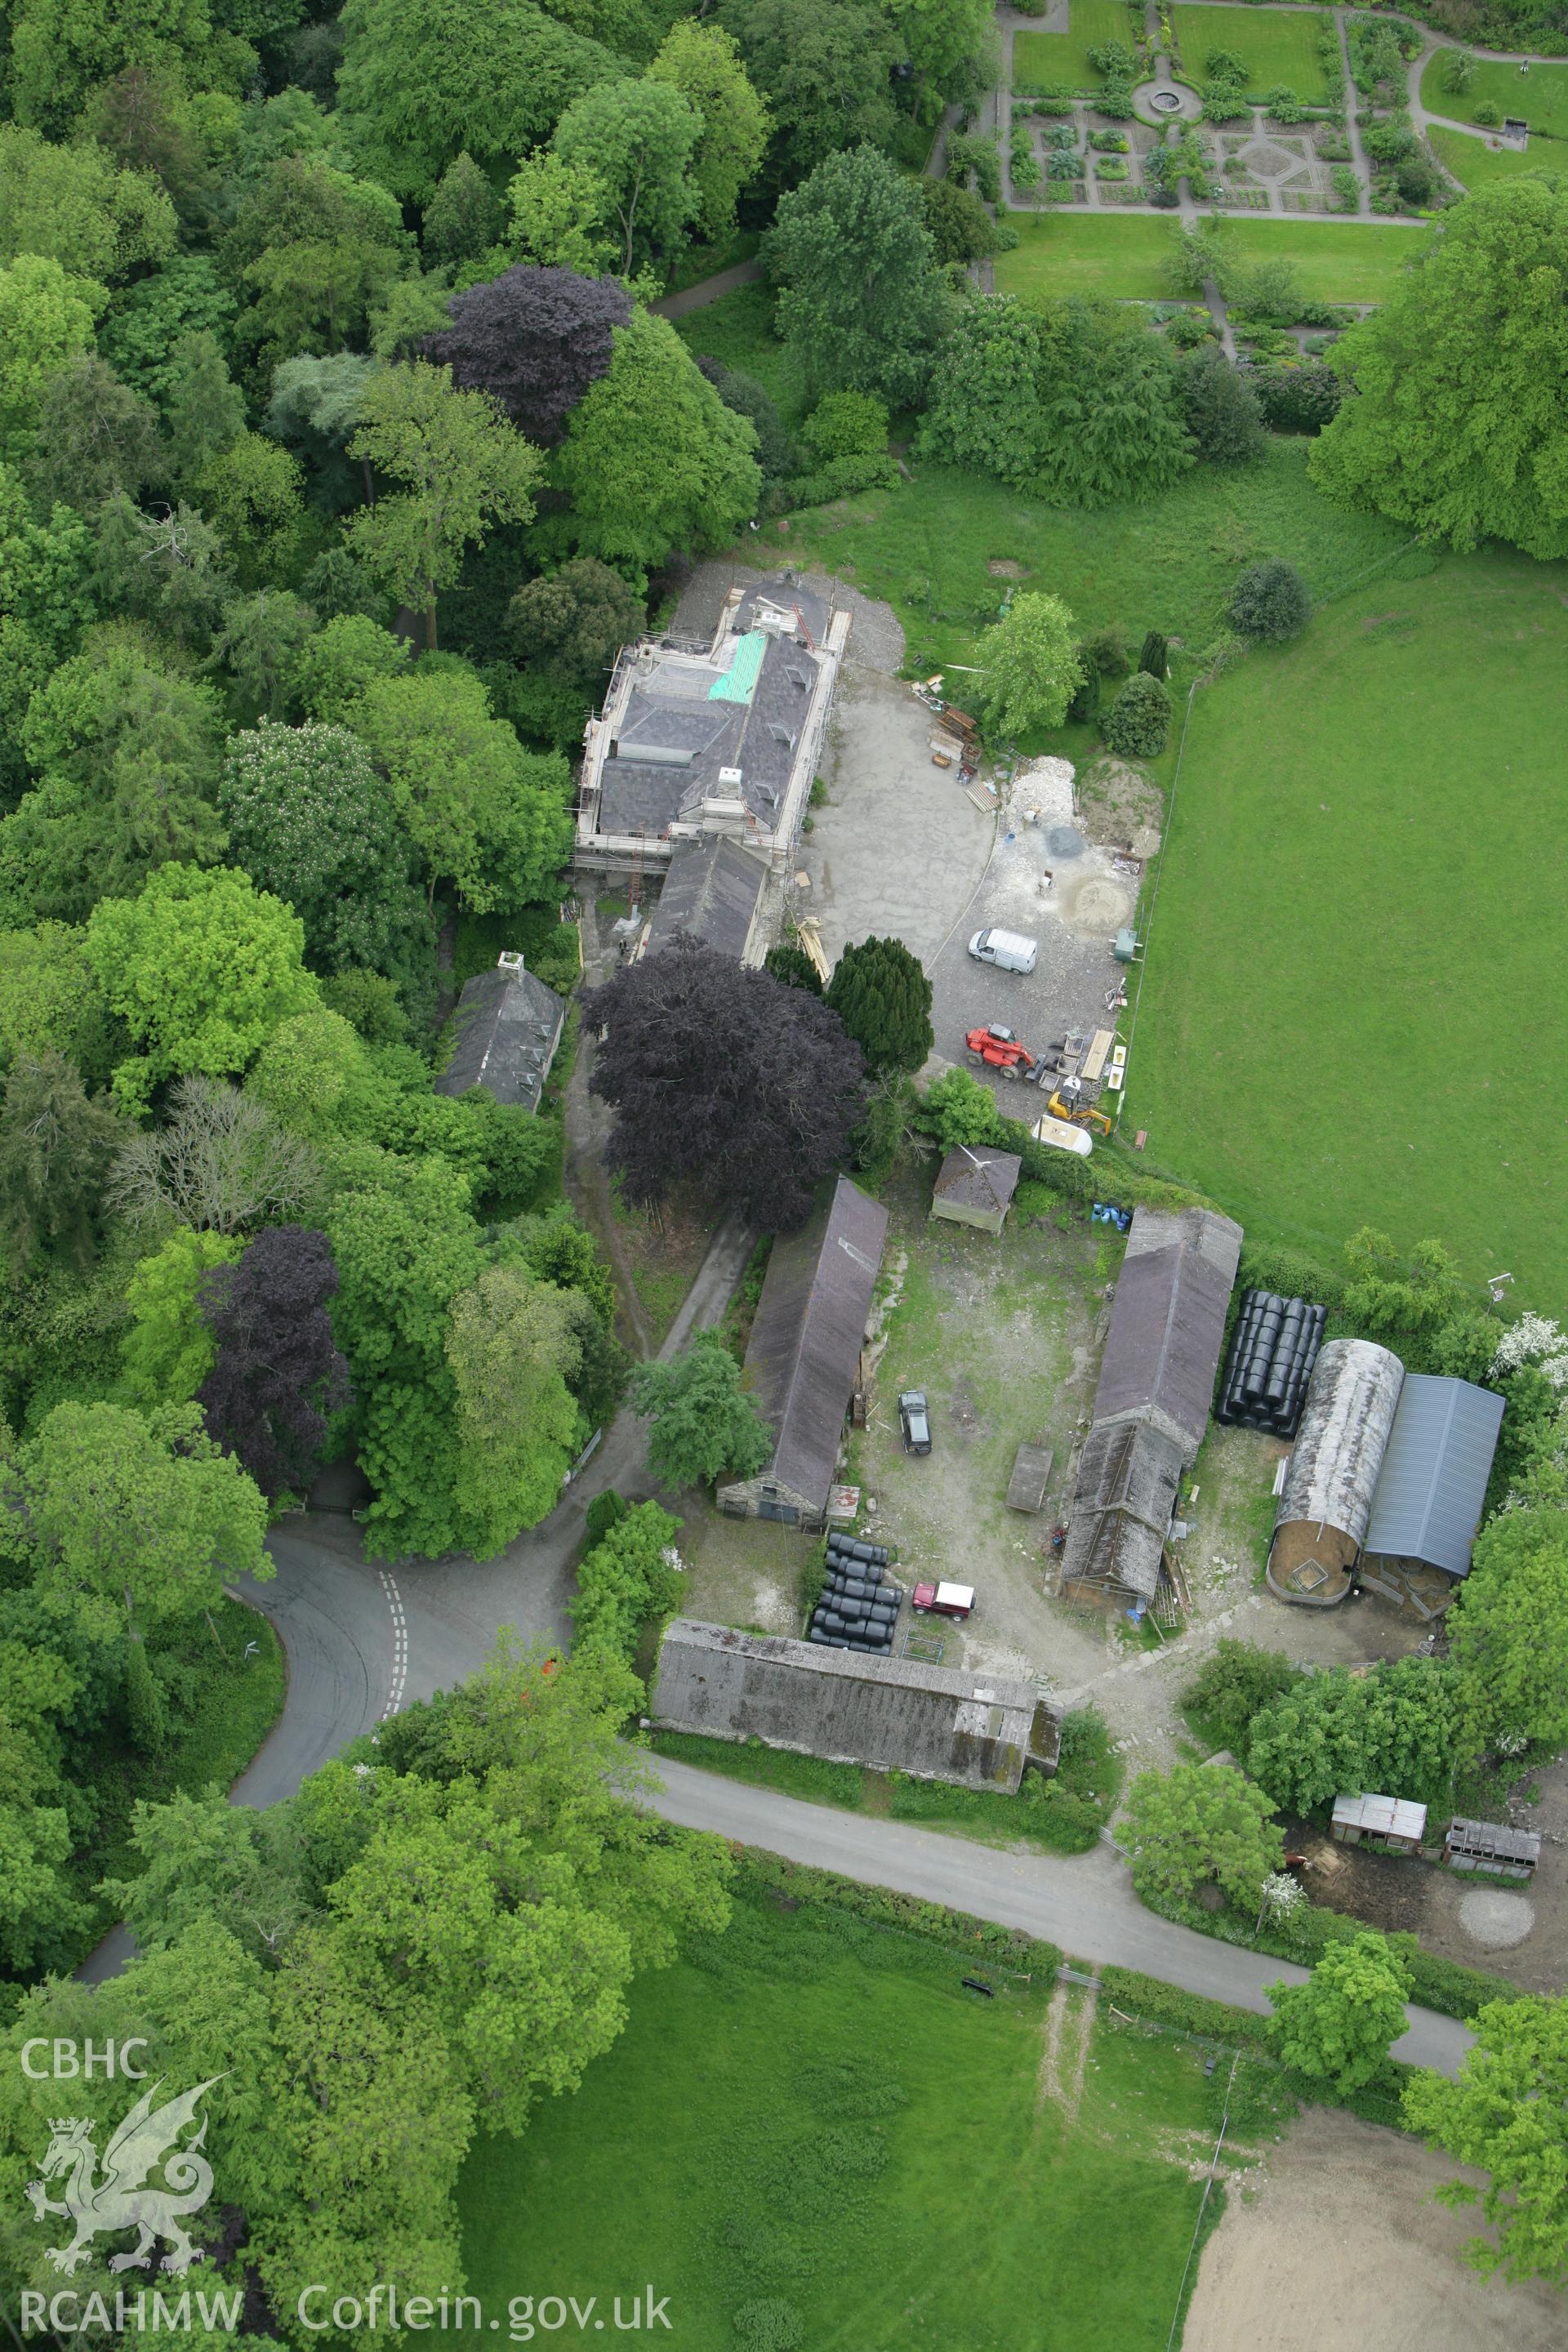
pixel 1121 254
pixel 1540 97
pixel 1476 165
pixel 1351 1011
pixel 928 545
pixel 1275 44
pixel 1060 60
pixel 738 330
pixel 809 2135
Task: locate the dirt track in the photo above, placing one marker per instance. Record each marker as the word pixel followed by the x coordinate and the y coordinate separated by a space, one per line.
pixel 1336 2246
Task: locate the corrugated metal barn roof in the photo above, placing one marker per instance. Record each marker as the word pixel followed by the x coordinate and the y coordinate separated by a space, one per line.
pixel 810 1323
pixel 1434 1479
pixel 1344 1436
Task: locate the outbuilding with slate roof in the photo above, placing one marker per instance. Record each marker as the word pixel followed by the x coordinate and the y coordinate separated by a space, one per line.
pixel 802 1362
pixel 508 1026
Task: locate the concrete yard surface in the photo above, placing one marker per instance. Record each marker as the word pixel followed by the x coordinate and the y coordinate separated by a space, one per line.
pixel 1334 2244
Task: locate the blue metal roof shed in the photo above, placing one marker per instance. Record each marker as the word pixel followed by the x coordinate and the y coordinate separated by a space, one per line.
pixel 1433 1483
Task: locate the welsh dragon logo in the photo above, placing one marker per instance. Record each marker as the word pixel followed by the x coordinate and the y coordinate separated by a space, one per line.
pixel 121 2199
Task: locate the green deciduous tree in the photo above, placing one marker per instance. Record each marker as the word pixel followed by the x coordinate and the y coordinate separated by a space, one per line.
pixel 1340 2025
pixel 71 205
pixel 1456 427
pixel 1200 1825
pixel 47 316
pixel 513 1349
pixel 126 754
pixel 961 228
pixel 1507 1628
pixel 630 1578
pixel 984 413
pixel 560 215
pixel 1507 2112
pixel 862 301
pixel 479 810
pixel 956 1108
pixel 167 1350
pixel 1392 1729
pixel 703 63
pixel 50 1002
pixel 309 820
pixel 705 1426
pixel 824 69
pixel 638 139
pixel 202 967
pixel 880 993
pixel 253 494
pixel 132 1518
pixel 1031 666
pixel 417 86
pixel 652 460
pixel 403 1256
pixel 1236 1682
pixel 461 468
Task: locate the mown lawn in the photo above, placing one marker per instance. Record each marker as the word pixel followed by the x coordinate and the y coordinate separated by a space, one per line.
pixel 1119 254
pixel 1352 1011
pixel 1538 97
pixel 1275 44
pixel 1122 255
pixel 810 2112
pixel 1476 165
pixel 1060 60
pixel 927 547
pixel 738 331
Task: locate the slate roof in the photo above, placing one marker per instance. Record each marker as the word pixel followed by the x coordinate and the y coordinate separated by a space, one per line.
pixel 1167 1323
pixel 508 1026
pixel 710 891
pixel 1352 1398
pixel 1128 1479
pixel 977 1177
pixel 671 709
pixel 1433 1483
pixel 805 1342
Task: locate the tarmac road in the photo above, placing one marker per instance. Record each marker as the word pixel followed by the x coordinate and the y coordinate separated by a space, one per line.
pixel 1084 1903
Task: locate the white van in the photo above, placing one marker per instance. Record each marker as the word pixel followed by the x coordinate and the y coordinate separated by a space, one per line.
pixel 1008 950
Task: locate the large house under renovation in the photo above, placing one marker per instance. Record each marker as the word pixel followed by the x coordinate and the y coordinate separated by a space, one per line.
pixel 720 739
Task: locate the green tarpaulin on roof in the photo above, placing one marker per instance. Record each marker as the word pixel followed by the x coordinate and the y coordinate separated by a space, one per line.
pixel 740 680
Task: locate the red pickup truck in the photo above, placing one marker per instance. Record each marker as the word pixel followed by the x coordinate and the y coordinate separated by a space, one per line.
pixel 943 1600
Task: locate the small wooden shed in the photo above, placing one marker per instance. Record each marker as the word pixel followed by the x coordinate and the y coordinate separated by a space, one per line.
pixel 1031 1476
pixel 975 1186
pixel 1492 1846
pixel 1393 1825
